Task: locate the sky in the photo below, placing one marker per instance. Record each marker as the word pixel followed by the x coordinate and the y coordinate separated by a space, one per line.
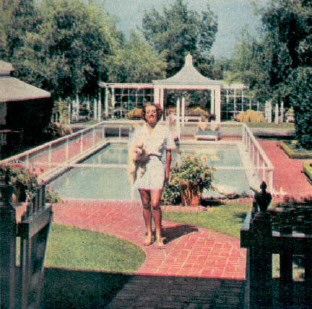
pixel 233 17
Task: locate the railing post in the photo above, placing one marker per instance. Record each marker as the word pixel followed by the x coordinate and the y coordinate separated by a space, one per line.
pixel 93 137
pixel 67 149
pixel 7 247
pixel 81 142
pixel 50 157
pixel 260 254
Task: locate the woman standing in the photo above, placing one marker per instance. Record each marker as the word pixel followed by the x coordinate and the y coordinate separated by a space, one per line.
pixel 155 140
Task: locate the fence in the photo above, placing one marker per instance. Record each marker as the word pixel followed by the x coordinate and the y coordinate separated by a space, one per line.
pixel 264 239
pixel 21 287
pixel 51 158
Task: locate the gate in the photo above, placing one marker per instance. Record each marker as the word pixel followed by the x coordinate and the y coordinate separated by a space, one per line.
pixel 21 286
pixel 284 231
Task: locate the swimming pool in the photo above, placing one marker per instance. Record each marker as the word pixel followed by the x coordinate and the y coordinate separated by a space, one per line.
pixel 104 174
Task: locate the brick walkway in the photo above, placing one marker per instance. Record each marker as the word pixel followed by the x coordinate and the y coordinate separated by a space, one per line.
pixel 197 268
pixel 288 176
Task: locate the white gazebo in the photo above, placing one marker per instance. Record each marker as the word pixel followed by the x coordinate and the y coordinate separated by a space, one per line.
pixel 188 78
pixel 131 95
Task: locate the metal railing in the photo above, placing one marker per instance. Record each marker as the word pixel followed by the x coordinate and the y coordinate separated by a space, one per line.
pixel 47 160
pixel 260 161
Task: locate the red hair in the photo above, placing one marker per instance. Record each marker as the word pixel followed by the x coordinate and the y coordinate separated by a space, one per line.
pixel 159 110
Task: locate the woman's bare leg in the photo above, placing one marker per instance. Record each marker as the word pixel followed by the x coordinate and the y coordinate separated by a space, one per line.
pixel 147 215
pixel 157 214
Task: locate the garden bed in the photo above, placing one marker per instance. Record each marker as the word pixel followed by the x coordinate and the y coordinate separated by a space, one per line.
pixel 307 169
pixel 294 150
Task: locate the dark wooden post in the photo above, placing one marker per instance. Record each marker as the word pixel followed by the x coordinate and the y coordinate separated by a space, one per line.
pixel 260 254
pixel 7 246
pixel 308 276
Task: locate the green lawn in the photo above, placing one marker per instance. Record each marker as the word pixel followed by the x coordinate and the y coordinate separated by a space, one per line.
pixel 227 219
pixel 80 249
pixel 86 269
pixel 272 125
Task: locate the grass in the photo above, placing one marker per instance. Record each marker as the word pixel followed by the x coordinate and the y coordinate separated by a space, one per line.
pixel 226 219
pixel 85 269
pixel 72 248
pixel 272 125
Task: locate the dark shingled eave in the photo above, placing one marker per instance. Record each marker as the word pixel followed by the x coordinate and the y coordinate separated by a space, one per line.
pixel 13 89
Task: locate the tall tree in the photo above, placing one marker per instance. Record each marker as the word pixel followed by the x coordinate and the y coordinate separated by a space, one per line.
pixel 279 63
pixel 137 62
pixel 6 8
pixel 178 31
pixel 24 19
pixel 301 99
pixel 68 54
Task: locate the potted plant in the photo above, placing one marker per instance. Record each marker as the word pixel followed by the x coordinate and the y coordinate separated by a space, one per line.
pixel 192 175
pixel 24 181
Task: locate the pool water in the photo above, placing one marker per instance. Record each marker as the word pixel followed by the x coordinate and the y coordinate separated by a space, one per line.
pixel 110 182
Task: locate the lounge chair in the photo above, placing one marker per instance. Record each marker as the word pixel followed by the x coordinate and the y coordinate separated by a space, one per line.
pixel 208 131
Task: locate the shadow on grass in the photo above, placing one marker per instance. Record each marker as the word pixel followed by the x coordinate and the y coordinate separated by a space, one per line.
pixel 207 202
pixel 71 289
pixel 240 215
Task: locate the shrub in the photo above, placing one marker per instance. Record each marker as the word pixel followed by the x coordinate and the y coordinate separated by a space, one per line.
pixel 24 181
pixel 188 180
pixel 250 116
pixel 301 101
pixel 307 169
pixel 294 150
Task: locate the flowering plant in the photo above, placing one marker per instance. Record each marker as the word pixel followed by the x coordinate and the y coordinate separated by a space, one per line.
pixel 189 178
pixel 22 179
pixel 193 170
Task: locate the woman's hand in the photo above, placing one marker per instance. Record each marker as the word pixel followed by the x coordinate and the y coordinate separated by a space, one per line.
pixel 167 176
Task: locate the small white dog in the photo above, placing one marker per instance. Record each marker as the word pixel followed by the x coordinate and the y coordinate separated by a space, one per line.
pixel 138 158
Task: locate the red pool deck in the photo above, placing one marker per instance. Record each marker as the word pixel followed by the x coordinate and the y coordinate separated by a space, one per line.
pixel 289 179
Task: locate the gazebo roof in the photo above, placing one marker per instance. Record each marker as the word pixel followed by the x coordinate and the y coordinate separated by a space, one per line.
pixel 13 89
pixel 188 76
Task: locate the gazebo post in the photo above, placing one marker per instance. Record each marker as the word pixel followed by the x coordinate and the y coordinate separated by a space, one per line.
pixel 212 100
pixel 106 102
pixel 178 118
pixel 218 104
pixel 183 111
pixel 157 94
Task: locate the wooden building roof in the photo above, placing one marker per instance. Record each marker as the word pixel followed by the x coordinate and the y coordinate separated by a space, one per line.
pixel 13 89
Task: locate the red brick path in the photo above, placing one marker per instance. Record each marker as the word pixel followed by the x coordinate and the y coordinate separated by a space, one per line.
pixel 195 266
pixel 288 176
